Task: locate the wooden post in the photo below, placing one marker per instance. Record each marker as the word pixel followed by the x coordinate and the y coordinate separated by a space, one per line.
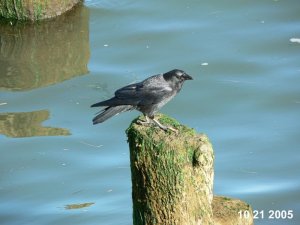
pixel 34 9
pixel 172 175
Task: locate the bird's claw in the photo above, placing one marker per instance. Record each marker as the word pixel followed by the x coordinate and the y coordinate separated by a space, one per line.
pixel 158 124
pixel 141 122
pixel 165 128
pixel 173 129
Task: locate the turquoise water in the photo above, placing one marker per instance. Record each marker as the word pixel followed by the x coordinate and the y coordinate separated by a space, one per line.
pixel 57 168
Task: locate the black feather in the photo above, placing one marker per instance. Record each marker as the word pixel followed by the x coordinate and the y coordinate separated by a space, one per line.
pixel 109 112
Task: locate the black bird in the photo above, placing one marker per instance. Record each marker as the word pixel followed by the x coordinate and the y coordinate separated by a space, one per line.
pixel 147 97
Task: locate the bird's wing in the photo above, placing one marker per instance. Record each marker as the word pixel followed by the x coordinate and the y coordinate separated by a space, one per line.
pixel 143 93
pixel 127 91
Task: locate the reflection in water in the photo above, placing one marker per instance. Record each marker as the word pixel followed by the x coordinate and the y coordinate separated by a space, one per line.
pixel 79 206
pixel 28 124
pixel 41 54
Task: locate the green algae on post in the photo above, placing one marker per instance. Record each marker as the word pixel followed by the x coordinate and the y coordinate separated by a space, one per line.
pixel 168 185
pixel 172 178
pixel 34 9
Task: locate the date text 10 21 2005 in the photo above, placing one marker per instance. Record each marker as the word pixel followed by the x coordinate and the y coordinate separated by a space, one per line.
pixel 270 214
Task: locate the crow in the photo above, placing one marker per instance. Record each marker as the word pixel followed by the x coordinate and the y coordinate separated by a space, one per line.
pixel 147 97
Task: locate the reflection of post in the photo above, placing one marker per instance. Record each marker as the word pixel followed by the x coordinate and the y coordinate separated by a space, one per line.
pixel 37 55
pixel 28 124
pixel 34 9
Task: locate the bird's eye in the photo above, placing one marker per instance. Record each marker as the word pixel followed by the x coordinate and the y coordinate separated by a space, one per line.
pixel 178 75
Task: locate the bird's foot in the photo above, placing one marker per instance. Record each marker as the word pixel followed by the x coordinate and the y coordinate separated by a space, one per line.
pixel 156 122
pixel 144 123
pixel 165 128
pixel 147 122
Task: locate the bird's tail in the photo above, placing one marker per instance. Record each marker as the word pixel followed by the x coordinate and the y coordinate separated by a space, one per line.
pixel 109 112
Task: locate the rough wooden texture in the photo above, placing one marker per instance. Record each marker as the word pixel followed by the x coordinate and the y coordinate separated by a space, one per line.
pixel 34 9
pixel 172 175
pixel 172 178
pixel 226 211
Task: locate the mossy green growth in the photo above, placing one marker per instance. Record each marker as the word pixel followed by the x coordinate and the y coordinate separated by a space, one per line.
pixel 172 178
pixel 166 121
pixel 39 10
pixel 168 186
pixel 12 9
pixel 34 9
pixel 152 135
pixel 23 10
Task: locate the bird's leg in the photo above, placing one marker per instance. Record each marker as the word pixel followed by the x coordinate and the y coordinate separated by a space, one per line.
pixel 152 120
pixel 165 128
pixel 147 122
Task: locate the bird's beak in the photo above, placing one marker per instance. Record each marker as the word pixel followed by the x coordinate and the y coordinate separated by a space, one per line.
pixel 187 77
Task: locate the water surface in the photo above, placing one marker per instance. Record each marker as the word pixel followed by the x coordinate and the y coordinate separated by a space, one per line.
pixel 245 96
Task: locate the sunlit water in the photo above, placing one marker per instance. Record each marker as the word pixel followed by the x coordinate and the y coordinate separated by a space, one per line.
pixel 57 168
